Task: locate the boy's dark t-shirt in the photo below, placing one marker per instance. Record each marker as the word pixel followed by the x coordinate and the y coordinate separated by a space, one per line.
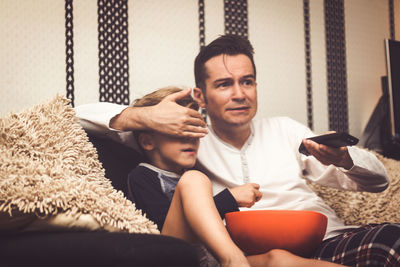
pixel 152 189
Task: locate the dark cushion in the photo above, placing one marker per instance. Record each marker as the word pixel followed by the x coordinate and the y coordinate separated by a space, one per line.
pixel 117 159
pixel 94 249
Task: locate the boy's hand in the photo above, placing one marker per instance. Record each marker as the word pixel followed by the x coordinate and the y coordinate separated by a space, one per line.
pixel 246 195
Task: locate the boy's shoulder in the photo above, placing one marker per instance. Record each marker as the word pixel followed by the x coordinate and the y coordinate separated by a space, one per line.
pixel 141 171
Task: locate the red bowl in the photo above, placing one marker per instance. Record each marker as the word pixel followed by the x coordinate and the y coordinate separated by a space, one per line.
pixel 258 231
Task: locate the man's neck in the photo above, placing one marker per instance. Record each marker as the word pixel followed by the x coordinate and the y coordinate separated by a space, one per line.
pixel 235 136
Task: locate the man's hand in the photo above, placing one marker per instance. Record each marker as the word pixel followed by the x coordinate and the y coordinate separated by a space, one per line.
pixel 339 157
pixel 167 117
pixel 171 118
pixel 246 195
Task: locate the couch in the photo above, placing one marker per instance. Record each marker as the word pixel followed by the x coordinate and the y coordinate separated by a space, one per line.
pixel 97 248
pixel 360 208
pixel 49 245
pixel 65 247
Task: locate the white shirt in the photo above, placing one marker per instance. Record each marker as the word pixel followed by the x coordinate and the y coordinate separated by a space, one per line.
pixel 270 158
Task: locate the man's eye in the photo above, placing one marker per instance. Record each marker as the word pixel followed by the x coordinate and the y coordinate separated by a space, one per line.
pixel 248 82
pixel 224 84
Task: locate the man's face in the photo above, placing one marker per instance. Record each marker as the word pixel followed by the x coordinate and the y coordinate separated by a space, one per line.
pixel 231 91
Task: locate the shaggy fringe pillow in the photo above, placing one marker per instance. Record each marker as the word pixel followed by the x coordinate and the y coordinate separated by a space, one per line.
pixel 50 175
pixel 360 208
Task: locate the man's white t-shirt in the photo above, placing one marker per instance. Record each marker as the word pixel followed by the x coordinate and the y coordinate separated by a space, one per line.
pixel 271 159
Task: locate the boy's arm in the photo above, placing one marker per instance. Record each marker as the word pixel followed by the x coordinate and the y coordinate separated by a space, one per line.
pixel 225 202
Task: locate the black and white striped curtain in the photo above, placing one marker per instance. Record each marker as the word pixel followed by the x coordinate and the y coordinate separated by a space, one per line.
pixel 235 12
pixel 336 65
pixel 114 53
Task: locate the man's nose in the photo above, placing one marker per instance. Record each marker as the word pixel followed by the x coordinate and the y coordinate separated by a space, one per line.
pixel 238 92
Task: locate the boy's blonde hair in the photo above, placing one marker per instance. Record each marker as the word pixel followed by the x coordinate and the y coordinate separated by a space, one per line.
pixel 157 96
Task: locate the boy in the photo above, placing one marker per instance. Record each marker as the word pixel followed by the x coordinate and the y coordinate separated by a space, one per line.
pixel 180 201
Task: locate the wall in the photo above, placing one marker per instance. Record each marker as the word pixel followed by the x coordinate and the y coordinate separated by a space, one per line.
pixel 163 41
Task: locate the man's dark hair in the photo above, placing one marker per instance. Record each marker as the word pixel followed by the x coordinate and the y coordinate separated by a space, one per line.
pixel 223 45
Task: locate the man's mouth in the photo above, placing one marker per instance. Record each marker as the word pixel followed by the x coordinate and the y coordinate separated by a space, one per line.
pixel 239 108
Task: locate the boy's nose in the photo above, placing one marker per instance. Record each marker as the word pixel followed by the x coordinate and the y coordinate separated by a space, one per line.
pixel 191 139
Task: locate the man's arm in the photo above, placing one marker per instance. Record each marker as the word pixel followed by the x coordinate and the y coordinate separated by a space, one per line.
pixel 166 117
pixel 357 169
pixel 349 168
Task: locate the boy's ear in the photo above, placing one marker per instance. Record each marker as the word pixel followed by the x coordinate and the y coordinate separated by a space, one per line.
pixel 146 141
pixel 199 96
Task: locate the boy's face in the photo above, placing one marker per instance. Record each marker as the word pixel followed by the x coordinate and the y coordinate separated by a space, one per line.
pixel 173 153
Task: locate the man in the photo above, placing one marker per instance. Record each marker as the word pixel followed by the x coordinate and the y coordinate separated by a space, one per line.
pixel 258 160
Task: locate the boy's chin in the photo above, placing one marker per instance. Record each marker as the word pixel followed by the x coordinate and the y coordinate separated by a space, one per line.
pixel 187 166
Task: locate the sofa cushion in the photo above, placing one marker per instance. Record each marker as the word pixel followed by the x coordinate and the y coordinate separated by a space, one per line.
pixel 49 170
pixel 65 249
pixel 117 160
pixel 360 208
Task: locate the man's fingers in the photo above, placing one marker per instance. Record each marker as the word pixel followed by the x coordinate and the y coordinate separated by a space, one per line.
pixel 324 157
pixel 178 95
pixel 193 135
pixel 258 196
pixel 194 122
pixel 256 186
pixel 316 149
pixel 196 129
pixel 329 153
pixel 319 156
pixel 195 114
pixel 195 132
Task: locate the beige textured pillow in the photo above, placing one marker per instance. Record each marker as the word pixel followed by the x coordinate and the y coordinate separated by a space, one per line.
pixel 50 176
pixel 360 208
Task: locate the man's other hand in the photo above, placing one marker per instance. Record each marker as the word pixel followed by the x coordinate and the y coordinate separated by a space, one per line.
pixel 327 155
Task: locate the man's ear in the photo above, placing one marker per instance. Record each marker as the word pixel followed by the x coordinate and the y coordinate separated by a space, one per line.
pixel 199 96
pixel 146 141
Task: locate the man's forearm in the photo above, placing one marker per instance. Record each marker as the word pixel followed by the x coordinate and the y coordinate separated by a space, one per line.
pixel 96 117
pixel 369 172
pixel 167 117
pixel 130 119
